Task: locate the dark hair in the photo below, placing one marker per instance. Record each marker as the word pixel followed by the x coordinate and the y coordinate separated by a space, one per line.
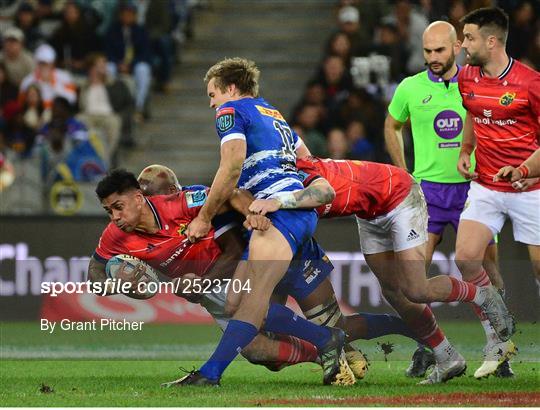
pixel 41 105
pixel 63 103
pixel 116 181
pixel 492 19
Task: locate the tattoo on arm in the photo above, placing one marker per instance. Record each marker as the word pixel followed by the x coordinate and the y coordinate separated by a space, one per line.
pixel 318 193
pixel 96 271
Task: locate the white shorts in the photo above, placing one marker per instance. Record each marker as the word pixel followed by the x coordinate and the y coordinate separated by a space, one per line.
pixel 404 227
pixel 491 208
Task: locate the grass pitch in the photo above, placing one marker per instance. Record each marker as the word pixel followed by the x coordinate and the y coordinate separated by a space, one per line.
pixel 126 368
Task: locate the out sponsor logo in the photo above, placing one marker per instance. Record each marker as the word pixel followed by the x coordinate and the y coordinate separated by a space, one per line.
pixel 448 124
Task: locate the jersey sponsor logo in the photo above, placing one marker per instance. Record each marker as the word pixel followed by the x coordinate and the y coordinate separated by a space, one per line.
pixel 507 98
pixel 303 175
pixel 491 121
pixel 176 254
pixel 310 272
pixel 195 198
pixel 456 144
pixel 487 113
pixel 427 99
pixel 225 119
pixel 181 229
pixel 448 124
pixel 270 113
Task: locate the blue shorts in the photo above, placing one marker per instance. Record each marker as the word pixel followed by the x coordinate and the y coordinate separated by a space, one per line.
pixel 309 268
pixel 296 225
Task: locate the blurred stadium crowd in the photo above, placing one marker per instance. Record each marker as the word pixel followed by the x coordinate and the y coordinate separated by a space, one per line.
pixel 375 45
pixel 75 76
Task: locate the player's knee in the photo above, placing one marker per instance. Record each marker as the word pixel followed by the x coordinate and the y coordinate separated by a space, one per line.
pixel 467 257
pixel 231 308
pixel 391 294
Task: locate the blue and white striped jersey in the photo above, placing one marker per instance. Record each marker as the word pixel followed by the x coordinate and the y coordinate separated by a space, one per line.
pixel 270 164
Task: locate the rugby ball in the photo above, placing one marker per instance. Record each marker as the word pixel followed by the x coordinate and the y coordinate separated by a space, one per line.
pixel 113 271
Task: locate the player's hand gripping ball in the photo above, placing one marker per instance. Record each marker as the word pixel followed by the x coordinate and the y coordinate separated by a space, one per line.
pixel 127 268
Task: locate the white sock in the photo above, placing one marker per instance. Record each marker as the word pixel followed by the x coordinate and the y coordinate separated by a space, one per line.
pixel 491 336
pixel 480 297
pixel 443 351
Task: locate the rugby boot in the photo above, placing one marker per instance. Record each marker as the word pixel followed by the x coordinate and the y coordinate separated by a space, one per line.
pixel 504 371
pixel 336 370
pixel 357 363
pixel 422 360
pixel 495 354
pixel 193 378
pixel 454 366
pixel 497 313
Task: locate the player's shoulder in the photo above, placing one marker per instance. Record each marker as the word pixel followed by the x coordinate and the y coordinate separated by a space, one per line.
pixel 195 187
pixel 113 233
pixel 308 161
pixel 242 105
pixel 525 71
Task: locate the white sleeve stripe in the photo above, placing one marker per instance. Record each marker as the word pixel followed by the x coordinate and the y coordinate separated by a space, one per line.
pixel 235 136
pixel 298 144
pixel 224 229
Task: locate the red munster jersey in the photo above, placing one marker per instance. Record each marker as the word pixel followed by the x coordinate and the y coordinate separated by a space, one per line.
pixel 168 250
pixel 365 189
pixel 505 113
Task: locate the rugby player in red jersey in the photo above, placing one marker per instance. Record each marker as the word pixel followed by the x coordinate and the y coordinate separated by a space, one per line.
pixel 320 306
pixel 502 98
pixel 166 242
pixel 151 229
pixel 392 221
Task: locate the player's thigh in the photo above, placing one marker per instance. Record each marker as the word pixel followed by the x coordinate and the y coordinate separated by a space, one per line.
pixel 269 257
pixel 472 241
pixel 482 218
pixel 524 212
pixel 384 267
pixel 411 266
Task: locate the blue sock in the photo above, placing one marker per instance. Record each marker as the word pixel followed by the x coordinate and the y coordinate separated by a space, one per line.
pixel 383 324
pixel 237 335
pixel 281 319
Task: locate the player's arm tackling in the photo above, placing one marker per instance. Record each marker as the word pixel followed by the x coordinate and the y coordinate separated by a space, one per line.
pixel 233 154
pixel 318 193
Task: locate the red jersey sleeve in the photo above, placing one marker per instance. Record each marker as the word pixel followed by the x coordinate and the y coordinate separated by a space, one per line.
pixel 307 171
pixel 110 244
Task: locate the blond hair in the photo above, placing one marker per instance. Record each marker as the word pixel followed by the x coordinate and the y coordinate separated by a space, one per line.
pixel 238 71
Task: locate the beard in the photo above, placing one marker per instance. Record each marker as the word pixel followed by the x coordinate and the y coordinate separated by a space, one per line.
pixel 475 60
pixel 444 67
